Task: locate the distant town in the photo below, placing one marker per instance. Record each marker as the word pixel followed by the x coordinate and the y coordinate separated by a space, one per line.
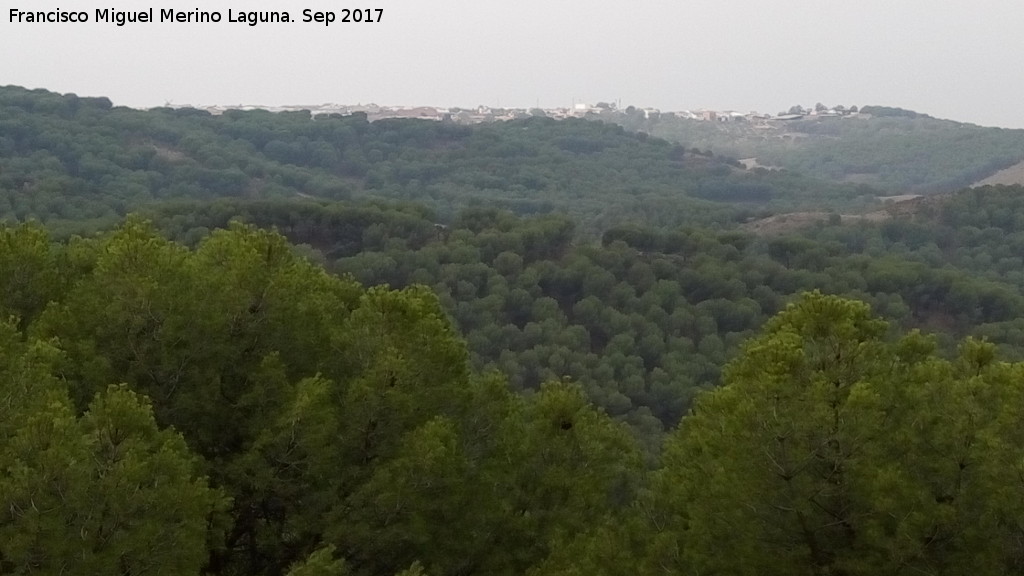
pixel 481 114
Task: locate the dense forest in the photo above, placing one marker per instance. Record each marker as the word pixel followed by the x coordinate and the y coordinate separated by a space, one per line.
pixel 71 159
pixel 234 409
pixel 326 372
pixel 646 318
pixel 895 150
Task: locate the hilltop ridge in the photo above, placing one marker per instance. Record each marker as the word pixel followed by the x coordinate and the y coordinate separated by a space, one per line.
pixel 891 148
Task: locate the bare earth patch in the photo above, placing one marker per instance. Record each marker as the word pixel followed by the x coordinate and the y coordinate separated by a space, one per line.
pixel 784 223
pixel 751 163
pixel 903 205
pixel 1008 176
pixel 899 198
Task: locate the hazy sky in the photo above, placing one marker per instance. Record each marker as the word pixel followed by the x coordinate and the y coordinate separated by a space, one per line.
pixel 955 59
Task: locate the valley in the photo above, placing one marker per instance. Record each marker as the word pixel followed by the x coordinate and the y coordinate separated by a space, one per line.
pixel 312 344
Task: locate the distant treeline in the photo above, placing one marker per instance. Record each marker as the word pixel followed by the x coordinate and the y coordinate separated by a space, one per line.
pixel 71 159
pixel 889 148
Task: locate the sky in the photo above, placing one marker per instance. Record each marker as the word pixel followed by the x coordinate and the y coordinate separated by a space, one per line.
pixel 956 59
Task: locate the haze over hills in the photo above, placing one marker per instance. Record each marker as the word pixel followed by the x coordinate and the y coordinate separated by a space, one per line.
pixel 295 344
pixel 71 158
pixel 578 339
pixel 899 151
pixel 872 153
pixel 538 190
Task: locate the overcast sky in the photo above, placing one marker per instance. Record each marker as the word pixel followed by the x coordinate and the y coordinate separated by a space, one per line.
pixel 955 59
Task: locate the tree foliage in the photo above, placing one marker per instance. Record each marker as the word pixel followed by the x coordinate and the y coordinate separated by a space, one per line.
pixel 273 419
pixel 104 491
pixel 832 449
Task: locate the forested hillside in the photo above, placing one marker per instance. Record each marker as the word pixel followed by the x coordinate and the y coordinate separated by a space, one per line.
pixel 895 150
pixel 65 158
pixel 645 318
pixel 234 409
pixel 259 344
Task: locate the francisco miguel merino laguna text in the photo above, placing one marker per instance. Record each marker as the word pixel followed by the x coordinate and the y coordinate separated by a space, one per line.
pixel 252 18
